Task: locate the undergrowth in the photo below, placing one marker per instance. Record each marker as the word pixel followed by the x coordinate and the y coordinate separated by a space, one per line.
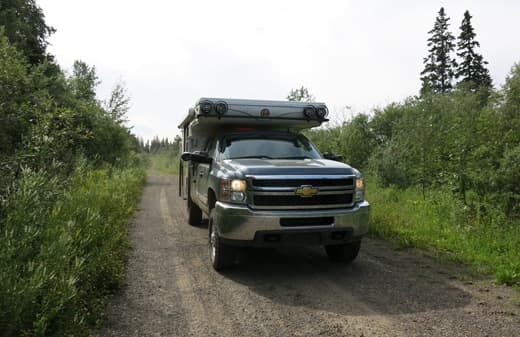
pixel 63 248
pixel 164 163
pixel 478 235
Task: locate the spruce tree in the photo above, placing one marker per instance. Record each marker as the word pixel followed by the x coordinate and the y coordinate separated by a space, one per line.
pixel 438 65
pixel 472 67
pixel 300 95
pixel 25 27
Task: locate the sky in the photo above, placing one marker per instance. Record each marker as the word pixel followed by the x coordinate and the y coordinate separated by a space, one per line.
pixel 353 55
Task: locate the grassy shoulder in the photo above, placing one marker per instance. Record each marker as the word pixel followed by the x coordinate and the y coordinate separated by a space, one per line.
pixel 484 239
pixel 63 249
pixel 164 163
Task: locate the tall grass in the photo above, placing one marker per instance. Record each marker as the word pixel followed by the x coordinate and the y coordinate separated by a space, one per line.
pixel 483 238
pixel 63 246
pixel 164 163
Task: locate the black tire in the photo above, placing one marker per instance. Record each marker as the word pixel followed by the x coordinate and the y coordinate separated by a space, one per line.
pixel 194 211
pixel 221 256
pixel 343 253
pixel 194 214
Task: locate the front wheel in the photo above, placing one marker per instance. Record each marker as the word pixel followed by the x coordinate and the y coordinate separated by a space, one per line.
pixel 344 252
pixel 222 256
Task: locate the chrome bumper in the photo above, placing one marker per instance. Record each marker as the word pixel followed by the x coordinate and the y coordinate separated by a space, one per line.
pixel 239 222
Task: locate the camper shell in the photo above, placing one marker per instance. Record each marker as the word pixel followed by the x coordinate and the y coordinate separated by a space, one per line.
pixel 249 169
pixel 205 120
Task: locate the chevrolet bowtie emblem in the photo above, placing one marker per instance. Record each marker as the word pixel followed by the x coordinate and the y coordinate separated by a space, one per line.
pixel 306 191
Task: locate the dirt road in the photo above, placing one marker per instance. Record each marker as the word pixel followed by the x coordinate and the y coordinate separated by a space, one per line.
pixel 173 291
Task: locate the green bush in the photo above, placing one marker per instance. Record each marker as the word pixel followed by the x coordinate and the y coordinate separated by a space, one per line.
pixel 482 237
pixel 63 249
pixel 508 178
pixel 390 165
pixel 353 140
pixel 62 224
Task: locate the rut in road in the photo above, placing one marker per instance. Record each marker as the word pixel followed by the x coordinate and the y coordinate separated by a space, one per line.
pixel 173 291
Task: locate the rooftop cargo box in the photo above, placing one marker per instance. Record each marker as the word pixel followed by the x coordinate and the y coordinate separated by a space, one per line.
pixel 212 115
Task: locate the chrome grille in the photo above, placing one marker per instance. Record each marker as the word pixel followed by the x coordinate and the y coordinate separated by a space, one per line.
pixel 299 182
pixel 279 192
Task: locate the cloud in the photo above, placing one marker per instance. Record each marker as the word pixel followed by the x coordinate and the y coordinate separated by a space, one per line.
pixel 170 53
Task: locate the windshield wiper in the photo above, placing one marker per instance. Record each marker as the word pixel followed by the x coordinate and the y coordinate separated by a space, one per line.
pixel 246 157
pixel 296 157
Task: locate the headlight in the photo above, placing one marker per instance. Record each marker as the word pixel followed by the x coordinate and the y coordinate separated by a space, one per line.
pixel 360 184
pixel 233 190
pixel 359 193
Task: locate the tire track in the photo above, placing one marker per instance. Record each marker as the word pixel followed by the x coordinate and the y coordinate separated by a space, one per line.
pixel 197 316
pixel 173 290
pixel 221 294
pixel 266 317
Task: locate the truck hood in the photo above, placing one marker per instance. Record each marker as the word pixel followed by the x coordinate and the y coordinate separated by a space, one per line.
pixel 263 167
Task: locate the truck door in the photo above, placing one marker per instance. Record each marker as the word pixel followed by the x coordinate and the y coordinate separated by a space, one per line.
pixel 203 171
pixel 183 166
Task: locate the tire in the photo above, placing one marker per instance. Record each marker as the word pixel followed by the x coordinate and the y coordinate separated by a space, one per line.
pixel 343 253
pixel 194 214
pixel 194 211
pixel 221 256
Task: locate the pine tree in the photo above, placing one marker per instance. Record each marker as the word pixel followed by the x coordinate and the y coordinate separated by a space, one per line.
pixel 25 27
pixel 438 65
pixel 471 69
pixel 300 95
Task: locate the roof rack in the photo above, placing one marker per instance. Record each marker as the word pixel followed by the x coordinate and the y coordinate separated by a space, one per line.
pixel 225 112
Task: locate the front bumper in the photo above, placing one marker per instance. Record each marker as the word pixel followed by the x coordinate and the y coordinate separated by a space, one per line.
pixel 240 224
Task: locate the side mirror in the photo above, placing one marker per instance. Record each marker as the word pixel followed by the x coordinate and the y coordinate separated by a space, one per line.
pixel 197 157
pixel 331 156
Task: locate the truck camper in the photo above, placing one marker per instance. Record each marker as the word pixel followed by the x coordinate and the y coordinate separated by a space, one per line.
pixel 260 182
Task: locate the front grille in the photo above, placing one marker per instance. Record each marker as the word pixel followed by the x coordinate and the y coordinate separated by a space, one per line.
pixel 300 182
pixel 295 200
pixel 280 192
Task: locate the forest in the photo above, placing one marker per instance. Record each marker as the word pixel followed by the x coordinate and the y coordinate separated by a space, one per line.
pixel 443 166
pixel 70 176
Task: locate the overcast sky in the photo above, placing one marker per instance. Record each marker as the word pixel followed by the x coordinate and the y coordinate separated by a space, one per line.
pixel 361 54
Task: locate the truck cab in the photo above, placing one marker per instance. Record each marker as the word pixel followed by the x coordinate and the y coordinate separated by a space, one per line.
pixel 249 169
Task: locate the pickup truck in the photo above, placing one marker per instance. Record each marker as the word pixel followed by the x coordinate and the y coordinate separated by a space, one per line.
pixel 249 169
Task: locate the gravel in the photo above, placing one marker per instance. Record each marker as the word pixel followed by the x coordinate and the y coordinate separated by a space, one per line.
pixel 173 291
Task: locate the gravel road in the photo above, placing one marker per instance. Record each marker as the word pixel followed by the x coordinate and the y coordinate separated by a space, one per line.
pixel 173 291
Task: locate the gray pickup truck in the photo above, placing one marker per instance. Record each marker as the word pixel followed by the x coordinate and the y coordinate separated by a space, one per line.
pixel 260 182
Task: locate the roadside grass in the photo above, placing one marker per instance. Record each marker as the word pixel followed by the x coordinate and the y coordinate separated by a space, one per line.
pixel 484 238
pixel 164 163
pixel 63 249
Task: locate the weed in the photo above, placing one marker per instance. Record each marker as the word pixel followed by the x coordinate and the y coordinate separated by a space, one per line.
pixel 63 249
pixel 486 240
pixel 164 163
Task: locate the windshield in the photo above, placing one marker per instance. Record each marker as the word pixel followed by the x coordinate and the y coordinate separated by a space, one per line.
pixel 269 146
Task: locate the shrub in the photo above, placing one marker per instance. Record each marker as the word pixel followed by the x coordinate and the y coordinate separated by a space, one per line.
pixel 486 240
pixel 63 249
